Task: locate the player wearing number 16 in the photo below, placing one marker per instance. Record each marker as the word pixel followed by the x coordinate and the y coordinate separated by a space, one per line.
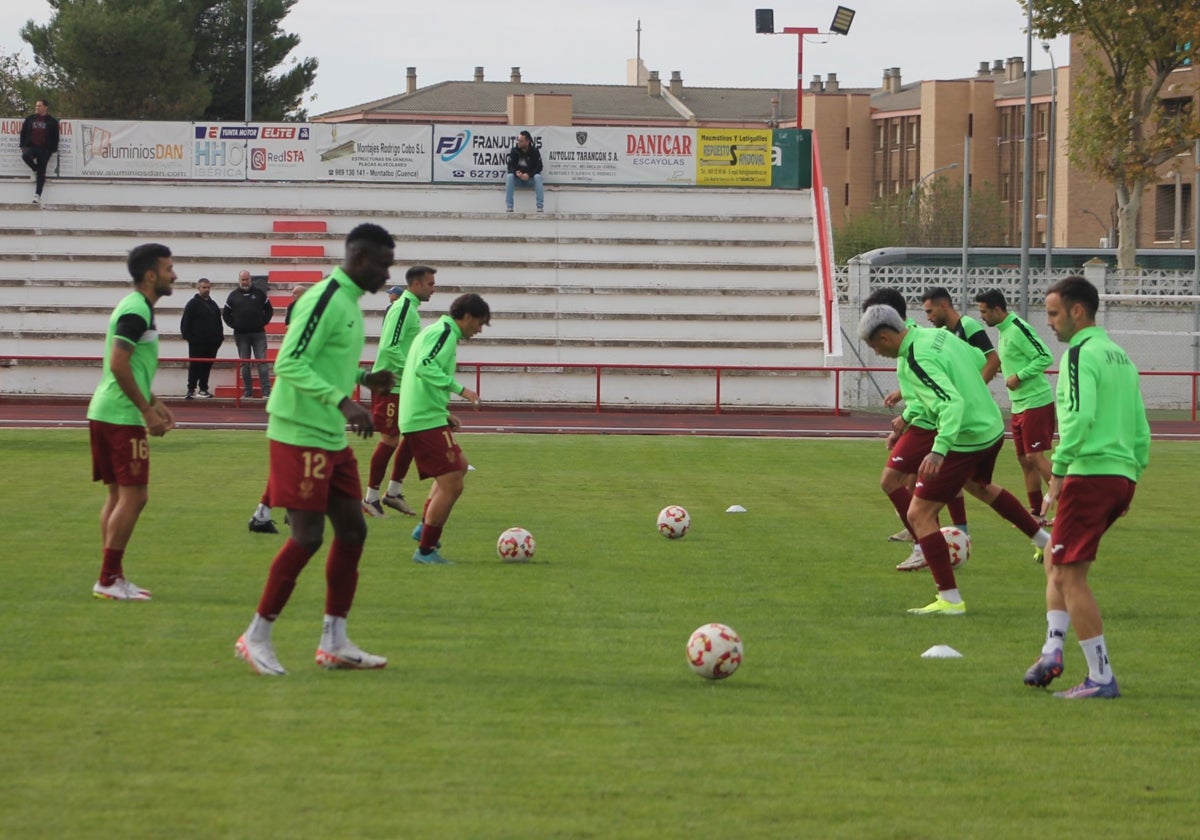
pixel 313 470
pixel 123 410
pixel 425 418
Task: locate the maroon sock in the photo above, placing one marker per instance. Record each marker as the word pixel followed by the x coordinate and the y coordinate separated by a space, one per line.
pixel 379 462
pixel 937 557
pixel 901 499
pixel 341 576
pixel 958 510
pixel 110 566
pixel 281 580
pixel 1035 502
pixel 404 459
pixel 1008 506
pixel 430 534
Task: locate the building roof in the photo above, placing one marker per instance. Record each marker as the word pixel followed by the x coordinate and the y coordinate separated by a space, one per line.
pixel 469 101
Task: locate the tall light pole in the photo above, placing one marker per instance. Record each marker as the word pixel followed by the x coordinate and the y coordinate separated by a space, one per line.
pixel 1051 153
pixel 1027 165
pixel 249 56
pixel 764 24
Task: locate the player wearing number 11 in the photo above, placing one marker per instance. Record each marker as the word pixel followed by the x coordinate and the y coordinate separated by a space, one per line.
pixel 425 418
pixel 313 470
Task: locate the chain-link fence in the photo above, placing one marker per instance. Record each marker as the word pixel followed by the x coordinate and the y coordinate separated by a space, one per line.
pixel 1153 314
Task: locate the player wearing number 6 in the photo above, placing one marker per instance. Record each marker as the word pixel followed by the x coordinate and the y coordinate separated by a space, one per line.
pixel 123 410
pixel 401 323
pixel 425 418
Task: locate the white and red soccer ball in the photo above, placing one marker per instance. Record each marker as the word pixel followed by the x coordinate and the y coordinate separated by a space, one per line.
pixel 714 651
pixel 673 522
pixel 959 544
pixel 516 545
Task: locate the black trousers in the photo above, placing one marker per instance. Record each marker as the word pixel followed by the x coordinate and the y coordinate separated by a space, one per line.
pixel 37 158
pixel 198 371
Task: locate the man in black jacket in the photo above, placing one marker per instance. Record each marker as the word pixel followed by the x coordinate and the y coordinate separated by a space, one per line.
pixel 39 140
pixel 202 330
pixel 524 168
pixel 247 312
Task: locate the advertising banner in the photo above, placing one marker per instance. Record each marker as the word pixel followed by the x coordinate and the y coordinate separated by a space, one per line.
pixel 116 149
pixel 791 159
pixel 280 152
pixel 219 151
pixel 733 157
pixel 62 165
pixel 467 154
pixel 346 152
pixel 570 155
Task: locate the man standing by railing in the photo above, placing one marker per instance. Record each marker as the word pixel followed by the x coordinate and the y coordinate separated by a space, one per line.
pixel 247 311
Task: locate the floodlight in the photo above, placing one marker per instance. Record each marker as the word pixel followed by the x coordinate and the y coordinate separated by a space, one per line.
pixel 842 19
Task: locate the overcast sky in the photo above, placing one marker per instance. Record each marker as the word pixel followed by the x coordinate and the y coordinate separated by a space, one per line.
pixel 364 46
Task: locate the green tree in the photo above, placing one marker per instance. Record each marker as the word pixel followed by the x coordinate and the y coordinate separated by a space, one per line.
pixel 170 59
pixel 20 85
pixel 119 59
pixel 1122 128
pixel 220 58
pixel 932 220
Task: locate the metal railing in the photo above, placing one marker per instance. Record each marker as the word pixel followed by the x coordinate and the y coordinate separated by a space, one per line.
pixel 597 371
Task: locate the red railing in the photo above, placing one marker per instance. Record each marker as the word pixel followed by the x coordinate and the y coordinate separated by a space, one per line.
pixel 598 369
pixel 824 244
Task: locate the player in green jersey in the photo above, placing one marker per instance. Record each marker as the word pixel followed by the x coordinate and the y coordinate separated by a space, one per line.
pixel 939 309
pixel 313 470
pixel 1024 359
pixel 1103 449
pixel 401 323
pixel 425 418
pixel 123 409
pixel 941 374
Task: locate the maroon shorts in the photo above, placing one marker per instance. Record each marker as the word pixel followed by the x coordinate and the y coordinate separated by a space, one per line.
pixel 910 449
pixel 436 452
pixel 1033 430
pixel 957 469
pixel 385 413
pixel 1087 507
pixel 302 478
pixel 120 454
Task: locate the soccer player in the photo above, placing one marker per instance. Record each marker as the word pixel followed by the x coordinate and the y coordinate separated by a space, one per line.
pixel 1103 449
pixel 907 444
pixel 401 323
pixel 123 410
pixel 313 471
pixel 942 374
pixel 940 311
pixel 1024 359
pixel 425 418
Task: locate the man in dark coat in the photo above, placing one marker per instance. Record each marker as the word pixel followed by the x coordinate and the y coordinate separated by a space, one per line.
pixel 202 329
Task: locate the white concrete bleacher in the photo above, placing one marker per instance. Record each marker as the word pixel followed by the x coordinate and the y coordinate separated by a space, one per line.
pixel 659 278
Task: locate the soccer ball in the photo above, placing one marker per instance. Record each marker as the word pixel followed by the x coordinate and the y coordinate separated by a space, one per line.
pixel 673 522
pixel 959 543
pixel 714 651
pixel 516 545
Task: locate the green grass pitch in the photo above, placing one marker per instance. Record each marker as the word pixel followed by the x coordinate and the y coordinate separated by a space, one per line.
pixel 553 699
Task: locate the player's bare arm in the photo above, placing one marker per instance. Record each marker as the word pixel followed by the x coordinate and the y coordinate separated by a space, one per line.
pixel 358 419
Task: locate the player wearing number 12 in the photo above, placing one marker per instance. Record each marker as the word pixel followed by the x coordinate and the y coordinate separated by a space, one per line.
pixel 425 418
pixel 123 410
pixel 401 323
pixel 313 471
